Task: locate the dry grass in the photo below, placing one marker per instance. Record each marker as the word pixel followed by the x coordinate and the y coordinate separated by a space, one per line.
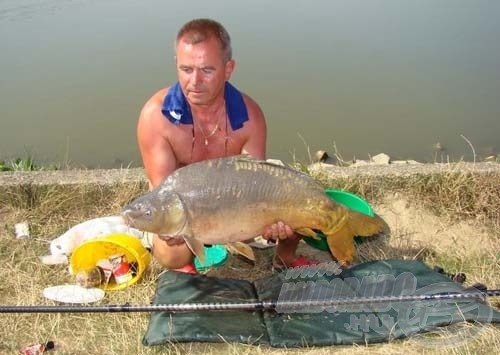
pixel 452 194
pixel 52 210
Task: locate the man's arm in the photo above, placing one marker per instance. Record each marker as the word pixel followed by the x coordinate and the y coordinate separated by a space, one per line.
pixel 255 144
pixel 157 155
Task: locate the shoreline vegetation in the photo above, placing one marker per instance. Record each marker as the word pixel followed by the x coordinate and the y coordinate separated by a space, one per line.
pixel 465 189
pixel 455 190
pixel 443 214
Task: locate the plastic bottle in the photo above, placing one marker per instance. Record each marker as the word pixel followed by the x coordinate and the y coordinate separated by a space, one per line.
pixel 36 349
pixel 121 268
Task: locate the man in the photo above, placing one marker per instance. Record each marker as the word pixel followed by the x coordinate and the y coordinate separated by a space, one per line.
pixel 203 116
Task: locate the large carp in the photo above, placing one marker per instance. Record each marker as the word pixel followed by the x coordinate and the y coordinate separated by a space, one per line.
pixel 227 200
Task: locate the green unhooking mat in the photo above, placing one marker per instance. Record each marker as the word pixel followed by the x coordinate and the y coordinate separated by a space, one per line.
pixel 309 324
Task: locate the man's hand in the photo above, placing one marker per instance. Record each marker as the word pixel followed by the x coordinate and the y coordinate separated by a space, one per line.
pixel 278 231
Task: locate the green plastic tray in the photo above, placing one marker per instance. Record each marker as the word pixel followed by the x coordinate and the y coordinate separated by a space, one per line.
pixel 215 256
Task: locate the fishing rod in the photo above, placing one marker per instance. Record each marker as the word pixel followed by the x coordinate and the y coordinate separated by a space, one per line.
pixel 279 306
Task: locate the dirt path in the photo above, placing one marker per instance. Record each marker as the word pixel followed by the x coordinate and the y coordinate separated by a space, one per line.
pixel 464 238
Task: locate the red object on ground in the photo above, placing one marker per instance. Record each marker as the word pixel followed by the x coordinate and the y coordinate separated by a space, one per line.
pixel 188 269
pixel 302 261
pixel 36 349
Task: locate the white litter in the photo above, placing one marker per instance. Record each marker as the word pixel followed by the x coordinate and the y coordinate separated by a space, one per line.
pixel 54 259
pixel 73 294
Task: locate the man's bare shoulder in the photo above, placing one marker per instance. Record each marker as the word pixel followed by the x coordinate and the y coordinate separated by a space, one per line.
pixel 152 128
pixel 153 106
pixel 255 114
pixel 252 135
pixel 251 103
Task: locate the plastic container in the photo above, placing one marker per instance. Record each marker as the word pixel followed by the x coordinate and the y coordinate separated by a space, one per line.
pixel 22 230
pixel 88 254
pixel 349 200
pixel 215 256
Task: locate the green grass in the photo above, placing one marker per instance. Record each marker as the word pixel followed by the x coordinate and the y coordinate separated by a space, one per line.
pixel 23 164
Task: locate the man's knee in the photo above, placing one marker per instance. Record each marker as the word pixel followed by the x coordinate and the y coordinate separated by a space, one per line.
pixel 171 257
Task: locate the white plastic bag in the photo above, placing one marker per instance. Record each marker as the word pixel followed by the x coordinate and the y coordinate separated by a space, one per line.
pixel 91 229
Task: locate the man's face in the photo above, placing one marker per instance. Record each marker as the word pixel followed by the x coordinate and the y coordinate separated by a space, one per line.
pixel 201 71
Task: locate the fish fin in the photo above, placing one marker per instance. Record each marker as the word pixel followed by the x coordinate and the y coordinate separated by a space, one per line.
pixel 363 225
pixel 341 244
pixel 242 249
pixel 308 232
pixel 196 247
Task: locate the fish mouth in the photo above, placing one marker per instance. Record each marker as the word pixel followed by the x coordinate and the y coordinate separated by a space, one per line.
pixel 129 215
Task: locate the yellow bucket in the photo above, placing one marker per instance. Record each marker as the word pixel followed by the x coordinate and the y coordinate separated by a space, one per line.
pixel 86 256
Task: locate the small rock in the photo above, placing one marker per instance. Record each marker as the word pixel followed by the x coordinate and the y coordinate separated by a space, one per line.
pixel 381 158
pixel 320 156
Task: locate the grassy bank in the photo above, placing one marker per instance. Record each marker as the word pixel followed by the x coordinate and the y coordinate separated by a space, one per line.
pixel 454 193
pixel 454 196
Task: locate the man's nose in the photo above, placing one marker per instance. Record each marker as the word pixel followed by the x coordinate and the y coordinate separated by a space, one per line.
pixel 197 76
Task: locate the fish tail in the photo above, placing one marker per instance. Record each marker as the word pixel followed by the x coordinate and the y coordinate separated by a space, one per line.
pixel 364 225
pixel 341 240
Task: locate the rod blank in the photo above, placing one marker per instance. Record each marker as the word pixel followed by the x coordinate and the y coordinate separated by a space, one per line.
pixel 247 306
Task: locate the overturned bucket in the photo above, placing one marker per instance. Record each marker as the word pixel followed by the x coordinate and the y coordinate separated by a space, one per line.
pixel 87 255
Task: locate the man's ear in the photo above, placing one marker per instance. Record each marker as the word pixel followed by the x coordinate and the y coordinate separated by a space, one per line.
pixel 229 68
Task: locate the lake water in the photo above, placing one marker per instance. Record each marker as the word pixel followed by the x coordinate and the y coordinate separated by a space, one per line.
pixel 362 76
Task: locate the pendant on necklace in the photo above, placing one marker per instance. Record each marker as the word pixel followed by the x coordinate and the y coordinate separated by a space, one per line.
pixel 205 137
